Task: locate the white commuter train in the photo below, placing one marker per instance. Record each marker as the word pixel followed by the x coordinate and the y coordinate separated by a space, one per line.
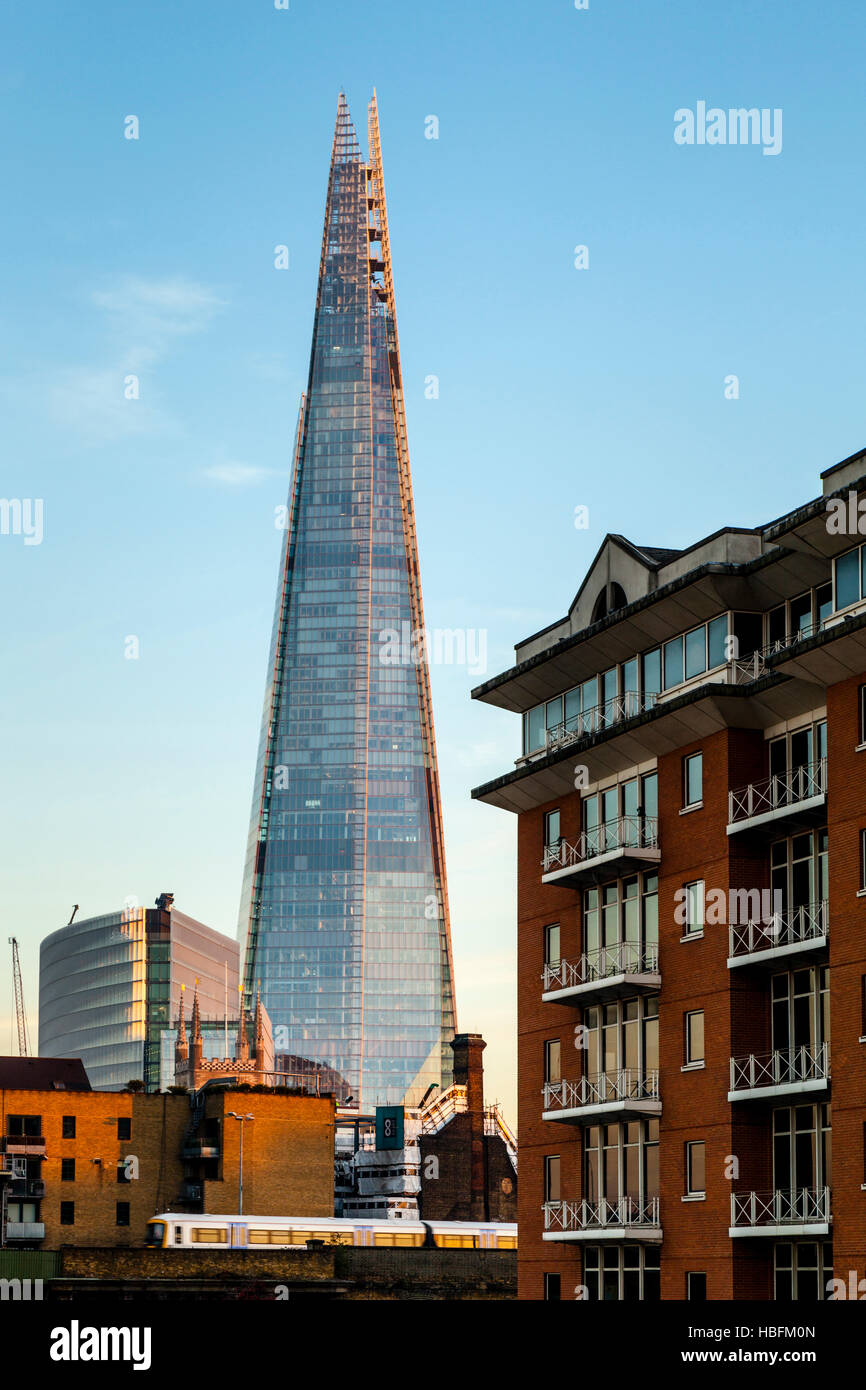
pixel 180 1230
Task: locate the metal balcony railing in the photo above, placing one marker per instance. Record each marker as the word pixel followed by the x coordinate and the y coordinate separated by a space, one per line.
pixel 590 1216
pixel 625 832
pixel 746 669
pixel 786 1207
pixel 801 634
pixel 787 1068
pixel 598 717
pixel 774 793
pixel 794 926
pixel 605 1088
pixel 624 958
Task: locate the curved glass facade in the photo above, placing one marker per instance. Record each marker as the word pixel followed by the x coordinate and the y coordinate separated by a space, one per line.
pixel 344 911
pixel 92 996
pixel 109 986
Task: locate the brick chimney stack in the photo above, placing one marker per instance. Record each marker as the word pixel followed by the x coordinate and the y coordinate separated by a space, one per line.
pixel 469 1072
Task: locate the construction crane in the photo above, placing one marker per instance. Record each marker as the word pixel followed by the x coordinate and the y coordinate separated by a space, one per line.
pixel 20 1015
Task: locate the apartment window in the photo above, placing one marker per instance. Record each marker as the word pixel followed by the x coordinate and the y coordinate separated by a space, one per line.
pixel 863 860
pixel 124 1127
pixel 67 1170
pixel 803 1269
pixel 122 1214
pixel 673 662
pixel 694 1031
pixel 846 571
pixel 693 779
pixel 552 1188
pixel 553 1061
pixel 864 1154
pixel 551 944
pixel 68 1127
pixel 696 1183
pixel 863 1006
pixel 552 1288
pixel 23 1126
pixel 551 830
pixel 694 908
pixel 626 1273
pixel 696 1287
pixel 67 1213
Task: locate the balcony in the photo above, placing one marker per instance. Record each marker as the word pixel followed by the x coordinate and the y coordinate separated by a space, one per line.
pixel 592 721
pixel 625 1218
pixel 607 1095
pixel 25 1230
pixel 798 1071
pixel 801 1211
pixel 28 1145
pixel 618 846
pixel 798 931
pixel 799 793
pixel 609 973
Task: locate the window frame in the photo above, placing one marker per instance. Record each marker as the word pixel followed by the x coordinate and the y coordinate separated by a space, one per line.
pixel 690 1189
pixel 691 1061
pixel 688 761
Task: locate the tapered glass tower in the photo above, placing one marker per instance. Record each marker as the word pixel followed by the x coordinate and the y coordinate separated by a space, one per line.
pixel 344 912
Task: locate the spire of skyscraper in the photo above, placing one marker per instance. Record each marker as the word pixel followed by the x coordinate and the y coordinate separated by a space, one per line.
pixel 344 912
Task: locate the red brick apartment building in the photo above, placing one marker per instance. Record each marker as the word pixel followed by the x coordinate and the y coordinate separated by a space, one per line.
pixel 691 817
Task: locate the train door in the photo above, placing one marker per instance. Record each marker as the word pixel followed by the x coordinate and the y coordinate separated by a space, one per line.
pixel 363 1235
pixel 237 1234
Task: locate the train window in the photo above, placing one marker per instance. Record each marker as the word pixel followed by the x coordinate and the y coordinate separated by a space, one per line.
pixel 506 1242
pixel 178 1235
pixel 155 1233
pixel 261 1237
pixel 392 1238
pixel 209 1235
pixel 459 1242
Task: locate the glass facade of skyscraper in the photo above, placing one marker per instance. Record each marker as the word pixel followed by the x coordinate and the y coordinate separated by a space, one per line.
pixel 344 911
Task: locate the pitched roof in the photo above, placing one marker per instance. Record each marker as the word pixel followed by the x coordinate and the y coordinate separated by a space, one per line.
pixel 43 1074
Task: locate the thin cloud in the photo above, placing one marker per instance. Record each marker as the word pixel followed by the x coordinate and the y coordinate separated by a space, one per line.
pixel 236 474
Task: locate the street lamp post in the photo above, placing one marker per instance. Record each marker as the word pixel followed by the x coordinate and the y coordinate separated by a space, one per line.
pixel 235 1116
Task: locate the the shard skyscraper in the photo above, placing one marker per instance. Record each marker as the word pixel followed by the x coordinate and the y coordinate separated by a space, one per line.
pixel 344 914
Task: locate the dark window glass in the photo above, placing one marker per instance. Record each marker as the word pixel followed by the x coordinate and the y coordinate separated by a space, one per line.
pixel 67 1170
pixel 122 1218
pixel 67 1213
pixel 68 1127
pixel 553 1287
pixel 696 1287
pixel 652 672
pixel 696 652
pixel 717 636
pixel 124 1127
pixel 847 569
pixel 534 729
pixel 551 944
pixel 693 778
pixel 673 662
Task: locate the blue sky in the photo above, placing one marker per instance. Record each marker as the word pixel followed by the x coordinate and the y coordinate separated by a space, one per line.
pixel 558 386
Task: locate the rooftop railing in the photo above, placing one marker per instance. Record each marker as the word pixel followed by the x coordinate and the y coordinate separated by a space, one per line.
pixel 781 790
pixel 598 717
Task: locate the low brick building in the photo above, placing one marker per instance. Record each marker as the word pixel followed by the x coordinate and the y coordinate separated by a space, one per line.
pixel 88 1168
